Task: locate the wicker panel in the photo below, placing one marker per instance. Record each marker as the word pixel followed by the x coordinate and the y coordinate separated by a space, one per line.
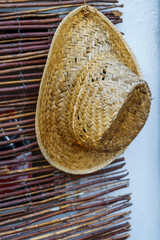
pixel 36 200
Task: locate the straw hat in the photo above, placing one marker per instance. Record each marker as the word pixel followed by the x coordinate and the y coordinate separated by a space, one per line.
pixel 92 100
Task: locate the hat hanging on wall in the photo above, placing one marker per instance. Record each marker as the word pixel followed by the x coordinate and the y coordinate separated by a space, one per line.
pixel 92 100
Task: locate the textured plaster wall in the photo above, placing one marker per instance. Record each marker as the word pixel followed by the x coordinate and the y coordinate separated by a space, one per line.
pixel 140 25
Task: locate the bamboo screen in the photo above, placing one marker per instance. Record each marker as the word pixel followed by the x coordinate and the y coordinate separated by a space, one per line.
pixel 38 201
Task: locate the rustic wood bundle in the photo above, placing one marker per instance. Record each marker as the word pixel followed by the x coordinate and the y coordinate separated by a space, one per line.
pixel 38 201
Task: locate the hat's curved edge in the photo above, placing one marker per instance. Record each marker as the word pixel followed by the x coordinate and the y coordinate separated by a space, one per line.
pixel 114 156
pixel 77 172
pixel 87 171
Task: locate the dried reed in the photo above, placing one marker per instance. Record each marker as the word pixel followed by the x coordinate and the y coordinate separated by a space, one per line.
pixel 34 195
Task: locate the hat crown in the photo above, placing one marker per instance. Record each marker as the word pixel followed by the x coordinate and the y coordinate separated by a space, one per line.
pixel 100 90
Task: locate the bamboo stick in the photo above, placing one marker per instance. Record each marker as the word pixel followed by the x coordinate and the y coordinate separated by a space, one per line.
pixel 114 12
pixel 22 63
pixel 26 58
pixel 33 21
pixel 21 139
pixel 21 40
pixel 21 122
pixel 22 55
pixel 18 100
pixel 28 27
pixel 33 15
pixel 121 237
pixel 8 109
pixel 22 164
pixel 45 214
pixel 23 107
pixel 19 76
pixel 25 87
pixel 97 230
pixel 23 44
pixel 38 26
pixel 61 236
pixel 16 116
pixel 70 217
pixel 66 223
pixel 18 108
pixel 17 1
pixel 117 21
pixel 19 95
pixel 64 204
pixel 25 98
pixel 3 15
pixel 20 81
pixel 18 149
pixel 56 180
pixel 37 205
pixel 23 68
pixel 57 183
pixel 40 206
pixel 79 215
pixel 16 154
pixel 26 35
pixel 37 171
pixel 49 184
pixel 38 157
pixel 27 15
pixel 25 49
pixel 85 227
pixel 49 4
pixel 31 102
pixel 44 170
pixel 80 223
pixel 28 207
pixel 40 170
pixel 17 127
pixel 32 179
pixel 25 159
pixel 51 194
pixel 6 25
pixel 32 208
pixel 27 171
pixel 8 114
pixel 20 225
pixel 102 231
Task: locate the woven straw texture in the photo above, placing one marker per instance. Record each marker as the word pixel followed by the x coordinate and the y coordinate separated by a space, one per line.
pixel 92 101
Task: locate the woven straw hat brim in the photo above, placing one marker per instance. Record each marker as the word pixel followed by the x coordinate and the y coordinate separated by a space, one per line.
pixel 69 56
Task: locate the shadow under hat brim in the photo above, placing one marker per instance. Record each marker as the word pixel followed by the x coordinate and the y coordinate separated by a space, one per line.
pixel 76 159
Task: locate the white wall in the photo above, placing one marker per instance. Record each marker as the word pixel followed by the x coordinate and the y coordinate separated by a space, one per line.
pixel 140 25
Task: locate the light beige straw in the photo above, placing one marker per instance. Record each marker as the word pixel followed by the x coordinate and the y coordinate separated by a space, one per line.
pixel 92 101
